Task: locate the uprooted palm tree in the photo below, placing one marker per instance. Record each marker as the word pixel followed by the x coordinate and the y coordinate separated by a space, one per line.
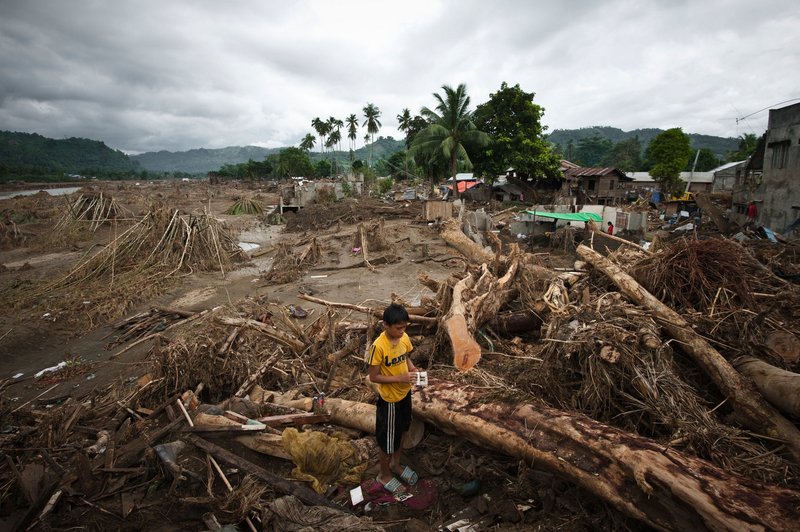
pixel 451 132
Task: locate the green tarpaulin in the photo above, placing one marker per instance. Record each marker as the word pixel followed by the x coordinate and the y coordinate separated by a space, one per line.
pixel 571 216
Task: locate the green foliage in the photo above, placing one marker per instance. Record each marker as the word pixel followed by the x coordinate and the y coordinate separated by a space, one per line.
pixel 322 168
pixel 669 153
pixel 451 134
pixel 562 138
pixel 307 144
pixel 293 162
pixel 201 161
pixel 245 206
pixel 416 125
pixel 249 170
pixel 514 124
pixel 37 157
pixel 385 184
pixel 372 123
pixel 347 189
pixel 706 160
pixel 592 151
pixel 625 155
pixel 747 145
pixel 401 166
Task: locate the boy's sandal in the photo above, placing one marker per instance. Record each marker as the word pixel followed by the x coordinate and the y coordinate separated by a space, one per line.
pixel 394 486
pixel 409 475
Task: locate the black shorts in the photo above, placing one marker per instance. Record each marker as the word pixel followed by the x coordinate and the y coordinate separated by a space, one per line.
pixel 391 421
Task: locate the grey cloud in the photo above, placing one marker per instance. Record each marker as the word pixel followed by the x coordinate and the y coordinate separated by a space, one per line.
pixel 150 75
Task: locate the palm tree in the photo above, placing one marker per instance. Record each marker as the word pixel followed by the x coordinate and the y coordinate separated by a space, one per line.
pixel 451 130
pixel 352 132
pixel 404 120
pixel 321 127
pixel 371 113
pixel 335 136
pixel 308 142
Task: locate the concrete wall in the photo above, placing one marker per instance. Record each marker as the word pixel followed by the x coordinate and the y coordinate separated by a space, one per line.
pixel 778 195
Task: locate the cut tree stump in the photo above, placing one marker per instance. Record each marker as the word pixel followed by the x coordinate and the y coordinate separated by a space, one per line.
pixel 745 400
pixel 661 487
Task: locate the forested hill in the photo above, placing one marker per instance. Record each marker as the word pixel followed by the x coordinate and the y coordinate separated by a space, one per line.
pixel 33 154
pixel 200 160
pixel 721 146
pixel 206 160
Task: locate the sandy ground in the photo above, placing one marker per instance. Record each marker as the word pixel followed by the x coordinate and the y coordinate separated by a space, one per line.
pixel 30 342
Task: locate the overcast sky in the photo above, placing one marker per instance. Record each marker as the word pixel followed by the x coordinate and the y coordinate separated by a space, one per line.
pixel 175 75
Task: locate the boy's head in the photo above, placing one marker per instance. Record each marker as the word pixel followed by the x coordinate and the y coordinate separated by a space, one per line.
pixel 395 320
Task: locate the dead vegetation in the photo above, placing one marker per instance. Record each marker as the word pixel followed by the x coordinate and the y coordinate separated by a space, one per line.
pixel 133 266
pixel 592 410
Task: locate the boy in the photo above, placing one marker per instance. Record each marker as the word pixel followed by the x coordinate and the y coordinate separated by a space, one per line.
pixel 392 371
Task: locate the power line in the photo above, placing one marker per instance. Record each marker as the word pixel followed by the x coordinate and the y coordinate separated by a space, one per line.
pixel 765 108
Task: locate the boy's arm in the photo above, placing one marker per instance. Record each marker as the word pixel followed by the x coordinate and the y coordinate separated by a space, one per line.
pixel 375 376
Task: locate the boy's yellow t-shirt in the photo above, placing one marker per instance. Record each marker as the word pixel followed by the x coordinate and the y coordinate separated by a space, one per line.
pixel 392 360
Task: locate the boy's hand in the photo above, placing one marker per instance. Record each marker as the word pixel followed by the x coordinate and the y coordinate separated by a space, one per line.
pixel 411 376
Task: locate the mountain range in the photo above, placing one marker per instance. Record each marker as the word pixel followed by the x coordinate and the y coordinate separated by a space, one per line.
pixel 721 146
pixel 30 154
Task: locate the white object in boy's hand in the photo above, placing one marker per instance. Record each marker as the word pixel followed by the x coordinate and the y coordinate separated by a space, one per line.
pixel 422 378
pixel 356 495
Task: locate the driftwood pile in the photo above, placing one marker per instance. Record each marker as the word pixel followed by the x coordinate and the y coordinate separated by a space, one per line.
pixel 137 263
pixel 624 378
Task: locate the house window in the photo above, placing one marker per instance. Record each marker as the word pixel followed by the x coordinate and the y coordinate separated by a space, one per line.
pixel 611 185
pixel 780 152
pixel 590 185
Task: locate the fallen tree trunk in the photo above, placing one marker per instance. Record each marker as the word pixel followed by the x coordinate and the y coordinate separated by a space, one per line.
pixel 453 235
pixel 725 226
pixel 778 386
pixel 350 414
pixel 376 312
pixel 662 487
pixel 744 399
pixel 466 351
pixel 619 240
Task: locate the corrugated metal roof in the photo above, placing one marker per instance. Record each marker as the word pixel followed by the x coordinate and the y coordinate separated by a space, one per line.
pixel 726 166
pixel 584 171
pixel 697 177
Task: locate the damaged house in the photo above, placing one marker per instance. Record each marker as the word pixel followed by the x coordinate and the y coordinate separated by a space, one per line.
pixel 772 173
pixel 600 186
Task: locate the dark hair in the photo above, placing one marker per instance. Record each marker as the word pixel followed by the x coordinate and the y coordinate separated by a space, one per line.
pixel 395 313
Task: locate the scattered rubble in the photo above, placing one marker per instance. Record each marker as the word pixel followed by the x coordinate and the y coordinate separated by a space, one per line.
pixel 593 383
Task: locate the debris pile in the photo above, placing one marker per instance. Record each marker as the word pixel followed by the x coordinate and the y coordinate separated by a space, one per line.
pixel 619 383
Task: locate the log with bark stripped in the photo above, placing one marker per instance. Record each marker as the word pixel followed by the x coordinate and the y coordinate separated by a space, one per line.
pixel 778 386
pixel 755 411
pixel 663 488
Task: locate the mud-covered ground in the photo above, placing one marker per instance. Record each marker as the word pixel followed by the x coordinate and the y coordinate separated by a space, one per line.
pixel 483 486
